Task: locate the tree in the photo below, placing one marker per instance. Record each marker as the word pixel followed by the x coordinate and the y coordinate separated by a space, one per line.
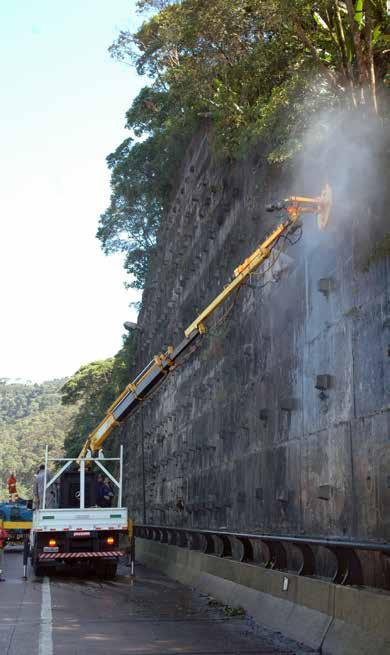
pixel 245 62
pixel 143 175
pixel 258 70
pixel 346 40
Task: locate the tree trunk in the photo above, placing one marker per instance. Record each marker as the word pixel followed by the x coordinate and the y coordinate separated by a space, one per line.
pixel 371 65
pixel 344 54
pixel 302 35
pixel 362 68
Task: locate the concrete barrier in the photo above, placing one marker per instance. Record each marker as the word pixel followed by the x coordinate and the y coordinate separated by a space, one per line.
pixel 333 619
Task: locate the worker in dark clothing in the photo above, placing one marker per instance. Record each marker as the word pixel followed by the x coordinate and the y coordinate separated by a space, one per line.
pixel 108 492
pixel 99 490
pixel 104 493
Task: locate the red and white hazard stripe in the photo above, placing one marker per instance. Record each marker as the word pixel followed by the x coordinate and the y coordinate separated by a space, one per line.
pixel 88 555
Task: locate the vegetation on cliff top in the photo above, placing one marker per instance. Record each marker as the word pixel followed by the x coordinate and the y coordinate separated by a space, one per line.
pixel 256 69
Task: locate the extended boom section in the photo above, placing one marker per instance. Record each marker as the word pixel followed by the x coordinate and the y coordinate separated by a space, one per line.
pixel 135 393
pixel 161 365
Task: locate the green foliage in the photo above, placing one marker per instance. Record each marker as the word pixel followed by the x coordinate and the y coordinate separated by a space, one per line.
pixel 31 417
pixel 243 61
pixel 92 390
pixel 143 176
pixel 89 379
pixel 259 70
pixel 19 400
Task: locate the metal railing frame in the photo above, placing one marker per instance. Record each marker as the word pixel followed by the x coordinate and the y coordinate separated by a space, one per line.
pixel 82 462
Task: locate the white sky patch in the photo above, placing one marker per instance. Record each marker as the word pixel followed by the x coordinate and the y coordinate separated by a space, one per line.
pixel 63 302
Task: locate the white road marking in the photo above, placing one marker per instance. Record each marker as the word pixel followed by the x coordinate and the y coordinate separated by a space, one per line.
pixel 45 635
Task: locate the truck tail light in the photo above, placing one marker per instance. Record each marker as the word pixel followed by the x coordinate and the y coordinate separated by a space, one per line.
pixel 110 540
pixel 52 542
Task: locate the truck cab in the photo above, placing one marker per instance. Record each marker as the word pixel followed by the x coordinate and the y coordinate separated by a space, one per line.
pixel 70 527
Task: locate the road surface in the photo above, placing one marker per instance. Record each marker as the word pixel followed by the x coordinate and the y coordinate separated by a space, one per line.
pixel 69 615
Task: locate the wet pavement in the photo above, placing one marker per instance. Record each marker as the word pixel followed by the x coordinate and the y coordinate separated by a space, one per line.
pixel 68 614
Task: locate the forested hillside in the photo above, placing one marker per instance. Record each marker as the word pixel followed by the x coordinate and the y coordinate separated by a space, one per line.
pixel 31 416
pixel 60 413
pixel 20 400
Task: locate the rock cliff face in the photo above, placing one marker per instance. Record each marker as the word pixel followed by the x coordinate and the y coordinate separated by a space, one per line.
pixel 279 421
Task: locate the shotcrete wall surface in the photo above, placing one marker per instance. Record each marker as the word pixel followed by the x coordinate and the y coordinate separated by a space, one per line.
pixel 240 436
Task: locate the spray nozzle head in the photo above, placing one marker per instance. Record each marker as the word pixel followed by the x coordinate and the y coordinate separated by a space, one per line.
pixel 296 205
pixel 325 207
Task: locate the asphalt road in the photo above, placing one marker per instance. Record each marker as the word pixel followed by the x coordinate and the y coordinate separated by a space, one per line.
pixel 68 614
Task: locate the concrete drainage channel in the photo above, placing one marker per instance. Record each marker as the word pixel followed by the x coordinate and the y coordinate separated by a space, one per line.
pixel 332 617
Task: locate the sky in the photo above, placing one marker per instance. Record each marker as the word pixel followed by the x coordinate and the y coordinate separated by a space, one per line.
pixel 63 104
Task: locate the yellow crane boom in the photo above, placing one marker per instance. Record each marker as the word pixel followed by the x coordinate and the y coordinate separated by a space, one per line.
pixel 162 364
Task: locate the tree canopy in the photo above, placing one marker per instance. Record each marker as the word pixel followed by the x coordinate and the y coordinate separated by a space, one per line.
pixel 20 400
pixel 258 70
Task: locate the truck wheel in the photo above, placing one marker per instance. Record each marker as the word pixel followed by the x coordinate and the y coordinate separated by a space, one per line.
pixel 110 570
pixel 39 570
pixel 107 570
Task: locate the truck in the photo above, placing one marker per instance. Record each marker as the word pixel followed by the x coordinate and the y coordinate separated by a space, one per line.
pixel 16 518
pixel 71 528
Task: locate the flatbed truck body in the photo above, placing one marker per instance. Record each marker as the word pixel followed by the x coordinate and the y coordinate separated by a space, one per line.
pixel 85 534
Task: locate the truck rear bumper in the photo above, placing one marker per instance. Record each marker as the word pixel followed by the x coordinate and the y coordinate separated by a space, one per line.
pixel 110 554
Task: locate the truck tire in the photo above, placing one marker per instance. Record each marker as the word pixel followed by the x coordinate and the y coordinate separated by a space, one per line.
pixel 107 570
pixel 39 570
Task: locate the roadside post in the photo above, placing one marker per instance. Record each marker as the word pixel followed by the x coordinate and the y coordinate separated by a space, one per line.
pixel 3 540
pixel 131 549
pixel 26 553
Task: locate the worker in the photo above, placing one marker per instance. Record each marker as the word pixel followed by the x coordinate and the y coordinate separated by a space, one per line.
pixel 3 541
pixel 108 492
pixel 12 491
pixel 99 490
pixel 39 484
pixel 104 492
